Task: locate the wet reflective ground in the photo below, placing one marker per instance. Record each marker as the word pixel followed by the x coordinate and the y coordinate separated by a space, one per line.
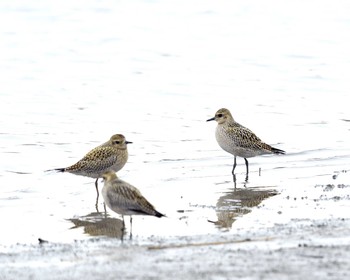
pixel 77 73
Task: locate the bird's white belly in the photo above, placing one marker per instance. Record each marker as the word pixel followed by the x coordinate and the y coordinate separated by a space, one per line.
pixel 227 143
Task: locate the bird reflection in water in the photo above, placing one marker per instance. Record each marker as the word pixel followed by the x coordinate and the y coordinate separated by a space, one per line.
pixel 100 224
pixel 238 202
pixel 235 181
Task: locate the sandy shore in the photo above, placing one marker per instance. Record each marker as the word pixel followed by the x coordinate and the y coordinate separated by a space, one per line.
pixel 301 249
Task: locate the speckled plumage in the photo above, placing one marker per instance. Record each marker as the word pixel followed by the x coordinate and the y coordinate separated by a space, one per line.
pixel 110 156
pixel 125 199
pixel 239 140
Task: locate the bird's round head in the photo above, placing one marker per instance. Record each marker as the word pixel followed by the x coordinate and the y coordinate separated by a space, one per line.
pixel 109 175
pixel 119 141
pixel 222 116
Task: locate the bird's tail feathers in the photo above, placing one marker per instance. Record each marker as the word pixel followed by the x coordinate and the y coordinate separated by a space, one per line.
pixel 277 151
pixel 159 215
pixel 56 169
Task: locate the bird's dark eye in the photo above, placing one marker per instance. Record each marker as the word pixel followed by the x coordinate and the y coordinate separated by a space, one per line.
pixel 116 142
pixel 220 115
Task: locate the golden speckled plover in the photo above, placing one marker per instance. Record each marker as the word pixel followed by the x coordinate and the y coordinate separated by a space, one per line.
pixel 110 156
pixel 239 140
pixel 125 199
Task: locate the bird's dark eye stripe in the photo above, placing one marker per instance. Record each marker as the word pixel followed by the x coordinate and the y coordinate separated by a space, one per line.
pixel 116 142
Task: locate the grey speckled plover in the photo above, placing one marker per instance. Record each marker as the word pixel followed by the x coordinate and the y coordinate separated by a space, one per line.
pixel 239 140
pixel 110 156
pixel 125 199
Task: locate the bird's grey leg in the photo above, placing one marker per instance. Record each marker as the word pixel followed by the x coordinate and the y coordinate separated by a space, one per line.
pixel 233 171
pixel 122 230
pixel 234 180
pixel 246 164
pixel 234 166
pixel 96 185
pixel 246 180
pixel 96 205
pixel 130 237
pixel 247 174
pixel 104 206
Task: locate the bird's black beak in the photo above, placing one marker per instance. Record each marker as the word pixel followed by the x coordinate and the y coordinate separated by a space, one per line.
pixel 212 119
pixel 128 142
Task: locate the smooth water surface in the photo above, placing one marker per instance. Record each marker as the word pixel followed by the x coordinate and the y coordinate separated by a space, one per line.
pixel 76 72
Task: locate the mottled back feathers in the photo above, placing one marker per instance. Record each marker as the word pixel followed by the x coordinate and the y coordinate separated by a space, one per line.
pixel 124 198
pixel 237 139
pixel 109 156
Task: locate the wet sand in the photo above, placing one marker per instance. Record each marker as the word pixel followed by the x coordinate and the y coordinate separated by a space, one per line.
pixel 261 257
pixel 306 247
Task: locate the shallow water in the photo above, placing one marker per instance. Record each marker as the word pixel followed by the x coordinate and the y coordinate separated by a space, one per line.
pixel 75 73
